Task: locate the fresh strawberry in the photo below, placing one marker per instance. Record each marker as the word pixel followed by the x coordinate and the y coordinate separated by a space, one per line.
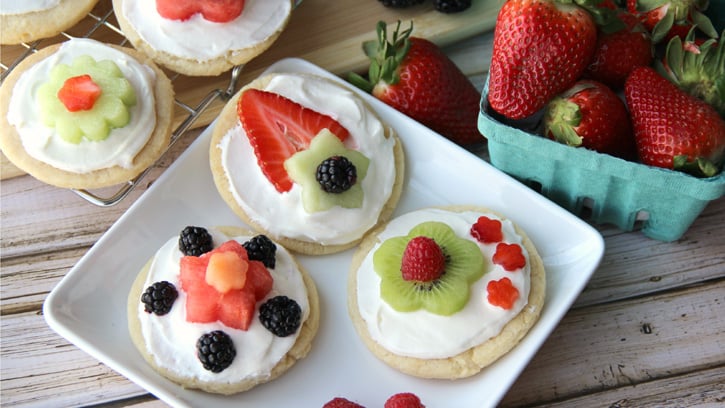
pixel 339 402
pixel 79 93
pixel 697 67
pixel 404 400
pixel 423 260
pixel 218 11
pixel 668 18
pixel 618 52
pixel 673 129
pixel 415 77
pixel 487 230
pixel 277 128
pixel 502 293
pixel 590 115
pixel 540 48
pixel 510 256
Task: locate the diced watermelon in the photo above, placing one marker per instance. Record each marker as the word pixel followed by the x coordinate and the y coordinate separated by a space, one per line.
pixel 192 270
pixel 259 280
pixel 236 309
pixel 277 128
pixel 218 11
pixel 202 304
pixel 79 93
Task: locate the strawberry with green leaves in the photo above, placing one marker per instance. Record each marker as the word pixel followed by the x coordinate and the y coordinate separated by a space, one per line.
pixel 540 48
pixel 673 129
pixel 415 77
pixel 668 18
pixel 590 115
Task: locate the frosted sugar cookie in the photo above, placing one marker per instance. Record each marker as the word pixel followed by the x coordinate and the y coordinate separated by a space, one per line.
pixel 222 310
pixel 306 161
pixel 444 292
pixel 30 20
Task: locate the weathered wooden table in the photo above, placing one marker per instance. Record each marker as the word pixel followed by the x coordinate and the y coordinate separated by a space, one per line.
pixel 646 331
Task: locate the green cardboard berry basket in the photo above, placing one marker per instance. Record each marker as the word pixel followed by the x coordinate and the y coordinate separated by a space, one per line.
pixel 608 190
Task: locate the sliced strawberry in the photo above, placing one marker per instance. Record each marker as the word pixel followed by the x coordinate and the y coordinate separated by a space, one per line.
pixel 487 230
pixel 502 293
pixel 510 256
pixel 79 93
pixel 218 11
pixel 277 128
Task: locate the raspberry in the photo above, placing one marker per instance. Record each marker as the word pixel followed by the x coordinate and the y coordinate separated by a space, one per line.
pixel 404 400
pixel 216 351
pixel 502 293
pixel 339 402
pixel 336 174
pixel 510 256
pixel 195 241
pixel 159 297
pixel 487 230
pixel 261 248
pixel 423 260
pixel 280 315
pixel 451 6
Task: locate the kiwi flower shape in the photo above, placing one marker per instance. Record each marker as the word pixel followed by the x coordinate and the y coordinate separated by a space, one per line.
pixel 302 169
pixel 110 110
pixel 443 296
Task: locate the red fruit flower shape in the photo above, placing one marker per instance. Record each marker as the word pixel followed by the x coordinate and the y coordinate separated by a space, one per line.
pixel 217 11
pixel 224 285
pixel 420 258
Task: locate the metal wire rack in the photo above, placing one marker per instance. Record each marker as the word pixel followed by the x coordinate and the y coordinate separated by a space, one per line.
pixel 104 20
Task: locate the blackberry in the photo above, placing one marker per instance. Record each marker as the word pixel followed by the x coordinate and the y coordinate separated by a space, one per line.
pixel 159 297
pixel 451 6
pixel 195 241
pixel 400 3
pixel 261 248
pixel 336 174
pixel 280 315
pixel 215 350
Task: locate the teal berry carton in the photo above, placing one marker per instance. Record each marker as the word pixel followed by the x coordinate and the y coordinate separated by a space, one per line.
pixel 607 189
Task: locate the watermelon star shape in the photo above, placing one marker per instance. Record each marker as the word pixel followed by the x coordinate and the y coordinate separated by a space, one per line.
pixel 224 285
pixel 108 110
pixel 444 296
pixel 302 168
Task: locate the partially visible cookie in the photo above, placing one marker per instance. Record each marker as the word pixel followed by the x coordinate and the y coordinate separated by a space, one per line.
pixel 425 328
pixel 260 338
pixel 196 46
pixel 30 20
pixel 124 129
pixel 271 197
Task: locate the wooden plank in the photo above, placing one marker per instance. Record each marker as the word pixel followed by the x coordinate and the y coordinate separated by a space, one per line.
pixel 626 343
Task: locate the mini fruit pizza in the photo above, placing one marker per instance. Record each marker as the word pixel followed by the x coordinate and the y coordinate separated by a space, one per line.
pixel 444 292
pixel 202 37
pixel 307 162
pixel 222 310
pixel 30 20
pixel 83 114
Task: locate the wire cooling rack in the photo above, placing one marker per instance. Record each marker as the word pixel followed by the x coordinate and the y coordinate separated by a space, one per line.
pixel 100 24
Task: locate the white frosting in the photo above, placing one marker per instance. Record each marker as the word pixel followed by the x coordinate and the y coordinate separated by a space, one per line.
pixel 283 214
pixel 122 144
pixel 425 335
pixel 8 7
pixel 200 39
pixel 172 340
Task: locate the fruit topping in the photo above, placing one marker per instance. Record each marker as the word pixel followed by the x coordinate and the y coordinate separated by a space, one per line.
pixel 510 256
pixel 336 174
pixel 195 241
pixel 277 128
pixel 159 298
pixel 487 230
pixel 302 167
pixel 235 306
pixel 216 351
pixel 86 99
pixel 403 400
pixel 280 315
pixel 451 6
pixel 79 93
pixel 400 3
pixel 445 295
pixel 502 293
pixel 261 248
pixel 423 260
pixel 217 11
pixel 340 402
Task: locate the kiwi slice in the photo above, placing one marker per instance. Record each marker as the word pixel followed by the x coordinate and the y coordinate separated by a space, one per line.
pixel 443 296
pixel 302 168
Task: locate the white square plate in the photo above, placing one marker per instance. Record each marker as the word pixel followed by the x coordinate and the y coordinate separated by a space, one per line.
pixel 88 307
